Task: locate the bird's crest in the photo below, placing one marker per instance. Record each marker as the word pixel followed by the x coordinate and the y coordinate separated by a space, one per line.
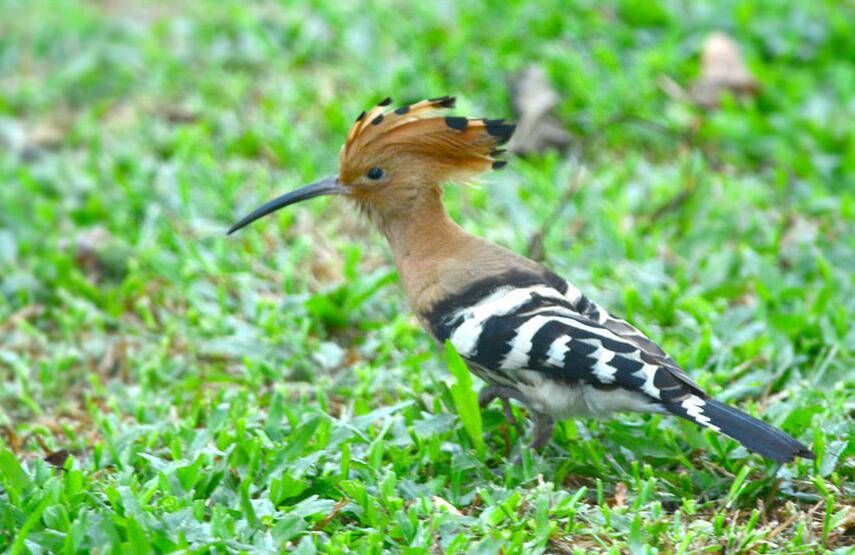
pixel 453 147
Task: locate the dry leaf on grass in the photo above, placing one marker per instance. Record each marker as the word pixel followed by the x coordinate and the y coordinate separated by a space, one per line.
pixel 440 503
pixel 620 495
pixel 722 69
pixel 29 141
pixel 534 101
pixel 57 458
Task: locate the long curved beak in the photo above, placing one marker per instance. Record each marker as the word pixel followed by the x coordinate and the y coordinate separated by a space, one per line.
pixel 327 186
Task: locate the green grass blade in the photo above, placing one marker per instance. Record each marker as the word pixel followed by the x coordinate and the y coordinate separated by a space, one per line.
pixel 465 398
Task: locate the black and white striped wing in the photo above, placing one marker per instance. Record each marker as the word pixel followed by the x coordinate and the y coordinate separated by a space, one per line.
pixel 554 329
pixel 628 332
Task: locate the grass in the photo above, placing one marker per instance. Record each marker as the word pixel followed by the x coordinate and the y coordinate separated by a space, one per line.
pixel 170 389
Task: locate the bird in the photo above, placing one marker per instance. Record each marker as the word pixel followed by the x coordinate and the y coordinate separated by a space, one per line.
pixel 529 334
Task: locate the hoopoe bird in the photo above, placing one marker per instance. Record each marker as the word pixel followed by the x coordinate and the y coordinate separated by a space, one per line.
pixel 530 335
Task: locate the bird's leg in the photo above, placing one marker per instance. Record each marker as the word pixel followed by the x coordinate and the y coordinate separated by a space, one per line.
pixel 543 427
pixel 487 395
pixel 492 392
pixel 543 423
pixel 541 432
pixel 509 416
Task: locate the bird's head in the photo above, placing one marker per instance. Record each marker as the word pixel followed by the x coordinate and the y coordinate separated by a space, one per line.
pixel 393 159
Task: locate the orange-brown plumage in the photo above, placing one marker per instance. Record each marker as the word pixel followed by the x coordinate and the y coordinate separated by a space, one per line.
pixel 417 142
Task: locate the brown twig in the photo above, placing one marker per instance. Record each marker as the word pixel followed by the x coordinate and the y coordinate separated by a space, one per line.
pixel 535 249
pixel 333 513
pixel 23 314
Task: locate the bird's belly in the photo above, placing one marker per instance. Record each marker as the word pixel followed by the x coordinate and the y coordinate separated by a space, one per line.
pixel 563 399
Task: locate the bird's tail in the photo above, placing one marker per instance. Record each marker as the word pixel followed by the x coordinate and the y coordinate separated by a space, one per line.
pixel 754 434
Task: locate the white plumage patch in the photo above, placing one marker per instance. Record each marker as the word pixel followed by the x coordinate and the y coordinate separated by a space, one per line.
pixel 518 356
pixel 601 369
pixel 573 294
pixel 694 406
pixel 648 373
pixel 502 301
pixel 557 350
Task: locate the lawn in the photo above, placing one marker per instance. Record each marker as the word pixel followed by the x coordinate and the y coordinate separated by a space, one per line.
pixel 168 388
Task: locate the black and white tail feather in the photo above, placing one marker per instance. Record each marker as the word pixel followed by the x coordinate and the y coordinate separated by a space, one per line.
pixel 536 335
pixel 754 434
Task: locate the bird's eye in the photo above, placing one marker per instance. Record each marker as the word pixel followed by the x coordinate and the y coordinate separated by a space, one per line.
pixel 375 173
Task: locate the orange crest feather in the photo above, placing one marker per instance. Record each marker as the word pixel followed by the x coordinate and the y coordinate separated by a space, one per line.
pixel 454 147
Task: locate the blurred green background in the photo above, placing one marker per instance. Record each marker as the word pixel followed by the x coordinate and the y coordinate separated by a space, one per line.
pixel 167 388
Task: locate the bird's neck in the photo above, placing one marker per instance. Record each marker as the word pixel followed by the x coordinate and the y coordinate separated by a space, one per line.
pixel 436 259
pixel 427 244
